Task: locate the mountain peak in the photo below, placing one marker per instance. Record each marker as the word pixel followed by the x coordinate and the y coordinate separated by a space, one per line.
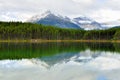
pixel 49 18
pixel 83 18
pixel 40 16
pixel 87 23
pixel 48 12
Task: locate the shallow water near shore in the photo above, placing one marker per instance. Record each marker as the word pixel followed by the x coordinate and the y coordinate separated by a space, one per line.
pixel 59 61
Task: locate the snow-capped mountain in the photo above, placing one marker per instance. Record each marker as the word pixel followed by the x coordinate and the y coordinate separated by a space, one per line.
pixel 48 18
pixel 87 23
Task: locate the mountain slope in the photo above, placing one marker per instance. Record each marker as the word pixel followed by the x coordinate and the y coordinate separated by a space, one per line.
pixel 49 18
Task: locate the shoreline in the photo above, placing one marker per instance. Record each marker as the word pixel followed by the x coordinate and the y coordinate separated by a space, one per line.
pixel 41 41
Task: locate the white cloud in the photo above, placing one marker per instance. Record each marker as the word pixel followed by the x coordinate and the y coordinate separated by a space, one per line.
pixel 113 4
pixel 101 10
pixel 9 16
pixel 106 15
pixel 84 1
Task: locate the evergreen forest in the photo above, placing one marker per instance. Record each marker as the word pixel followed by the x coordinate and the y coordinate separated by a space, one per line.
pixel 25 31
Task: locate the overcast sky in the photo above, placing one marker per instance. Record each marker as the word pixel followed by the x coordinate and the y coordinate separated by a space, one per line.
pixel 99 10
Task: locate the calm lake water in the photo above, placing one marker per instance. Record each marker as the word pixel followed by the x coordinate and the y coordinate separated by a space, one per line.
pixel 59 61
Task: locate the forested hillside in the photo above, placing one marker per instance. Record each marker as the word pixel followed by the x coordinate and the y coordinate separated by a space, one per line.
pixel 19 30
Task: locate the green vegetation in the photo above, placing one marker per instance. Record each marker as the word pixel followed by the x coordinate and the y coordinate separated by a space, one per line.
pixel 24 32
pixel 27 31
pixel 18 30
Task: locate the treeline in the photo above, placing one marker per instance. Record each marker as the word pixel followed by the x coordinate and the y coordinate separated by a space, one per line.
pixel 19 30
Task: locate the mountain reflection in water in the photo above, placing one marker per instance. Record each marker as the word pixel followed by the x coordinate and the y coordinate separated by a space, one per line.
pixel 63 62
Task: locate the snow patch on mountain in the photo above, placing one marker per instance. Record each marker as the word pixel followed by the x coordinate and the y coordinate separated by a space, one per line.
pixel 87 23
pixel 111 23
pixel 38 17
pixel 49 18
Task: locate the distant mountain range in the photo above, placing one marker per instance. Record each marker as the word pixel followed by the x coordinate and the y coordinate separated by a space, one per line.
pixel 49 18
pixel 82 22
pixel 87 23
pixel 111 23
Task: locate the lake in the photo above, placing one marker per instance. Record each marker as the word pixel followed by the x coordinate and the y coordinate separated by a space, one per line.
pixel 60 61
